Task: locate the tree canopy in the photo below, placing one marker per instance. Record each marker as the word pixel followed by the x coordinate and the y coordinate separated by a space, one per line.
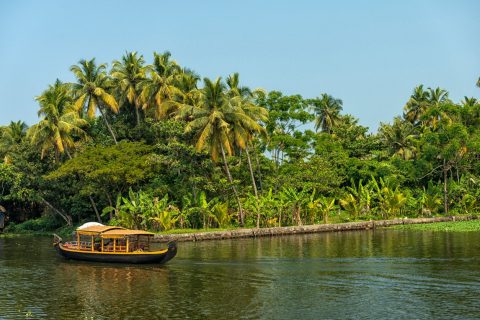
pixel 150 145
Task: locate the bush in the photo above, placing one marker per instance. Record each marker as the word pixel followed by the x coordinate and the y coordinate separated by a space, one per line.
pixel 42 224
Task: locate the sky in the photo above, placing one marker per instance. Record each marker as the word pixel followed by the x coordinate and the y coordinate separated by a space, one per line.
pixel 371 54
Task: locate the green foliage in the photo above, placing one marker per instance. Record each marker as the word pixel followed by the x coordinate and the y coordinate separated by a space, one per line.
pixel 42 224
pixel 141 210
pixel 166 152
pixel 116 167
pixel 430 199
pixel 390 198
pixel 459 226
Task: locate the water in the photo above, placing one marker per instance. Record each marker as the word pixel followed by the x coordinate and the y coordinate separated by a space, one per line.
pixel 351 275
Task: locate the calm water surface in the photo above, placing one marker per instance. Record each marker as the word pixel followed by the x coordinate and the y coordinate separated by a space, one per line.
pixel 351 275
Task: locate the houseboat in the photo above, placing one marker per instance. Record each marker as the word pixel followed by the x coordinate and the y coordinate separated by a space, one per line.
pixel 101 243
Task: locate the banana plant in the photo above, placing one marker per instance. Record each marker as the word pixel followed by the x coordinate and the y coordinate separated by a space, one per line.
pixel 199 207
pixel 166 218
pixel 327 205
pixel 163 213
pixel 351 205
pixel 363 194
pixel 295 200
pixel 313 206
pixel 128 210
pixel 430 200
pixel 470 203
pixel 391 199
pixel 272 207
pixel 220 214
pixel 140 210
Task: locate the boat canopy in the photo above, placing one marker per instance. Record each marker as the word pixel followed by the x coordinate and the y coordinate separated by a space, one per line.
pixel 120 233
pixel 112 232
pixel 96 230
pixel 90 224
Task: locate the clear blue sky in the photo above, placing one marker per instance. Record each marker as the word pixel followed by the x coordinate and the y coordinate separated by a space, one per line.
pixel 370 53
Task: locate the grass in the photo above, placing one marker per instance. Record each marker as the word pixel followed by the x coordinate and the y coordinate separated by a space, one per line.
pixel 459 226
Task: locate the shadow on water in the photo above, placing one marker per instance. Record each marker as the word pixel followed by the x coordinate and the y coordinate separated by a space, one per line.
pixel 365 274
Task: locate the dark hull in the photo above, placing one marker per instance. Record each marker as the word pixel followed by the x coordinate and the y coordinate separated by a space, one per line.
pixel 159 258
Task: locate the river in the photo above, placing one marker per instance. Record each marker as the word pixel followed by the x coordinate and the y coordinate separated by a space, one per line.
pixel 350 275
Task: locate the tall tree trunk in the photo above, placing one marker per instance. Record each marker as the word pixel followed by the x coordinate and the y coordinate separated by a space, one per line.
pixel 137 114
pixel 297 216
pixel 253 183
pixel 240 210
pixel 259 171
pixel 445 190
pixel 108 125
pixel 66 217
pixel 95 208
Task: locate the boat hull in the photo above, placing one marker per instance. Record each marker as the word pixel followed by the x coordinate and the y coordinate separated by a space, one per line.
pixel 159 257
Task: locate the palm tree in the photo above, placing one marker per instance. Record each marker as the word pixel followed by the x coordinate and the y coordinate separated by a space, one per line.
pixel 245 123
pixel 60 123
pixel 91 90
pixel 211 123
pixel 437 109
pixel 14 132
pixel 470 111
pixel 399 137
pixel 127 75
pixel 327 110
pixel 416 105
pixel 189 94
pixel 159 91
pixel 11 135
pixel 437 96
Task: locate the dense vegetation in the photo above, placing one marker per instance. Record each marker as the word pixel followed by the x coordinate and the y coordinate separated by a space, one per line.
pixel 152 146
pixel 458 226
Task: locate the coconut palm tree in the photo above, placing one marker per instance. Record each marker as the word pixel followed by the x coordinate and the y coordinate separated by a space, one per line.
pixel 416 105
pixel 470 112
pixel 127 75
pixel 159 90
pixel 211 125
pixel 437 96
pixel 14 132
pixel 438 108
pixel 189 94
pixel 399 137
pixel 92 90
pixel 60 123
pixel 327 110
pixel 11 135
pixel 246 122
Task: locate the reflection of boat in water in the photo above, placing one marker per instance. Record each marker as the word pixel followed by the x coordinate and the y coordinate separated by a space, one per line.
pixel 113 244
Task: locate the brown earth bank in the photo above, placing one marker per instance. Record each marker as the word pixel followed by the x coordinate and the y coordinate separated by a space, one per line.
pixel 278 231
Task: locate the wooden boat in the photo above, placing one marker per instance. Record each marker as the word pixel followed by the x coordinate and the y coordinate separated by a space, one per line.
pixel 113 244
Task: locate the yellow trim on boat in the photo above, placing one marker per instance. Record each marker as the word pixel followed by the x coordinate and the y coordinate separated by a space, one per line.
pixel 114 253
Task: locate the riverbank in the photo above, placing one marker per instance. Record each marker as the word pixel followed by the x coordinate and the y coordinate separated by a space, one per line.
pixel 278 231
pixel 457 226
pixel 462 223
